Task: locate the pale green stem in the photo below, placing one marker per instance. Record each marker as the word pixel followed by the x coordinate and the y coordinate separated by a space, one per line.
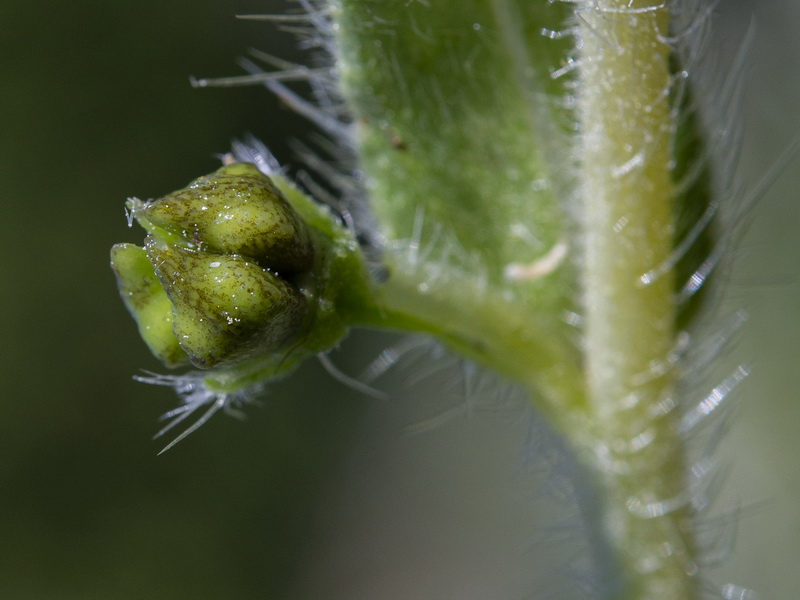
pixel 626 128
pixel 493 331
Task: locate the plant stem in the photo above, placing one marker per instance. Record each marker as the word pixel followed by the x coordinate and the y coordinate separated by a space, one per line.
pixel 488 328
pixel 626 129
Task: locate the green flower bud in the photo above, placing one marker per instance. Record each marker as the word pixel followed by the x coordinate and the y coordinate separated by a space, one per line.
pixel 147 301
pixel 235 278
pixel 224 308
pixel 235 210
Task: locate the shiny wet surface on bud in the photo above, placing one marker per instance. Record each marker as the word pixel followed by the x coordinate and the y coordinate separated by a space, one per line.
pixel 212 284
pixel 236 210
pixel 225 308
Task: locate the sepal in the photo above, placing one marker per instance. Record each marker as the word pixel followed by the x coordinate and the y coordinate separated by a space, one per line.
pixel 224 308
pixel 235 210
pixel 147 302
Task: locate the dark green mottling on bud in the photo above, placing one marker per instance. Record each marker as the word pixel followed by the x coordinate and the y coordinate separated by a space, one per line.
pixel 147 302
pixel 235 210
pixel 243 277
pixel 224 308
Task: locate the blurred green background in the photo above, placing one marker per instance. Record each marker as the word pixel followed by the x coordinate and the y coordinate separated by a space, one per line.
pixel 316 493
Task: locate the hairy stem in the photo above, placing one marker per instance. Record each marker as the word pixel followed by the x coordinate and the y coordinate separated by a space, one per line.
pixel 627 126
pixel 489 329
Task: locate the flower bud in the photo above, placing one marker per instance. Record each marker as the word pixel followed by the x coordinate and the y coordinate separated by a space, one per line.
pixel 147 301
pixel 224 308
pixel 235 210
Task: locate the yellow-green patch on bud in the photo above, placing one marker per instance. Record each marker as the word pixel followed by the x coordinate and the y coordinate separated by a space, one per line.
pixel 224 308
pixel 235 210
pixel 147 301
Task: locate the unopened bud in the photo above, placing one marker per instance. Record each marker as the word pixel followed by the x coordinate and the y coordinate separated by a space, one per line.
pixel 235 210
